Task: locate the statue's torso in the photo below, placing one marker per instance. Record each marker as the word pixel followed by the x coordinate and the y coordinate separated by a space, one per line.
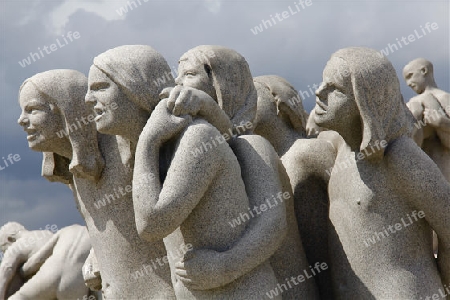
pixel 366 253
pixel 125 259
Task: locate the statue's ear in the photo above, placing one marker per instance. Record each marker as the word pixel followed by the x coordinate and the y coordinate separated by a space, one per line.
pixel 424 70
pixel 208 70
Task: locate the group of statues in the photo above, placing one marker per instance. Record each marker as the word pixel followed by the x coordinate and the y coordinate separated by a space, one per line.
pixel 275 206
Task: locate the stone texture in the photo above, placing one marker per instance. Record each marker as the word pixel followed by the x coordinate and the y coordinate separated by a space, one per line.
pixel 206 209
pixel 312 128
pixel 105 201
pixel 209 184
pixel 122 93
pixel 280 118
pixel 223 74
pixel 51 262
pixel 432 107
pixel 384 193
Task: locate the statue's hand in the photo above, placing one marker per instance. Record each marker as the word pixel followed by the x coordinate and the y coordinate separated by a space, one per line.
pixel 91 273
pixel 163 125
pixel 186 101
pixel 202 270
pixel 434 117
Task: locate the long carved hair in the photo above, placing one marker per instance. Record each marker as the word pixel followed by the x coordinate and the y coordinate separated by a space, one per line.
pixel 232 80
pixel 66 90
pixel 376 88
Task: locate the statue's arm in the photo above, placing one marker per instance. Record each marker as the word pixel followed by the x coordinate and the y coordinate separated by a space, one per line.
pixel 185 100
pixel 35 262
pixel 424 185
pixel 264 233
pixel 161 208
pixel 416 108
pixel 14 257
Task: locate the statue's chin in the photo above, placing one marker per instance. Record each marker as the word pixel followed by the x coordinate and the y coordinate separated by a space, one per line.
pixel 38 146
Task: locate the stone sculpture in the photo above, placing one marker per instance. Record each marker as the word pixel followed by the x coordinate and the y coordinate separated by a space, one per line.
pixel 207 209
pixel 195 208
pixel 280 118
pixel 122 94
pixel 391 187
pixel 224 75
pixel 104 201
pixel 52 262
pixel 279 106
pixel 312 129
pixel 50 117
pixel 431 107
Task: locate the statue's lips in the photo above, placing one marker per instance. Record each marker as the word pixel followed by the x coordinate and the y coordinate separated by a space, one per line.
pixel 99 113
pixel 320 109
pixel 31 137
pixel 32 134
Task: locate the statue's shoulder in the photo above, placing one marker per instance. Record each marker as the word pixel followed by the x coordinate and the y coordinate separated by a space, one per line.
pixel 256 142
pixel 333 138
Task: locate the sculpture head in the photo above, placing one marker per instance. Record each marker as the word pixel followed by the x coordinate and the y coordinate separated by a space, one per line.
pixel 9 234
pixel 281 101
pixel 123 87
pixel 53 106
pixel 418 75
pixel 361 88
pixel 225 75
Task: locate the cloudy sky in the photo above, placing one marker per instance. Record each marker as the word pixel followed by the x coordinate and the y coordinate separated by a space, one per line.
pixel 297 48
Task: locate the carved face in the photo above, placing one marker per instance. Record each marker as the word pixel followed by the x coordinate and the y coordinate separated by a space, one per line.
pixel 6 242
pixel 192 73
pixel 335 102
pixel 415 77
pixel 41 120
pixel 111 106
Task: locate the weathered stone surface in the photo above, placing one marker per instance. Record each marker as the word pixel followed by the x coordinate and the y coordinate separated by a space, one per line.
pixel 280 118
pixel 51 262
pixel 224 76
pixel 209 183
pixel 431 108
pixel 385 193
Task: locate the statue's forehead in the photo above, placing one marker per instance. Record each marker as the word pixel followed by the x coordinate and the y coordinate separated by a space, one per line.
pixel 29 90
pixel 96 73
pixel 413 66
pixel 336 71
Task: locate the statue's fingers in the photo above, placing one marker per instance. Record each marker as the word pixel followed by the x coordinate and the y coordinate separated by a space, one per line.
pixel 181 102
pixel 179 265
pixel 181 273
pixel 174 94
pixel 165 93
pixel 190 284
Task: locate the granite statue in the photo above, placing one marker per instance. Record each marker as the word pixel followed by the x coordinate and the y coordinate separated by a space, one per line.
pixel 48 261
pixel 224 75
pixel 392 195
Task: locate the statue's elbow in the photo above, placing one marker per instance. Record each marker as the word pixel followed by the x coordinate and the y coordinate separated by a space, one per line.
pixel 149 231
